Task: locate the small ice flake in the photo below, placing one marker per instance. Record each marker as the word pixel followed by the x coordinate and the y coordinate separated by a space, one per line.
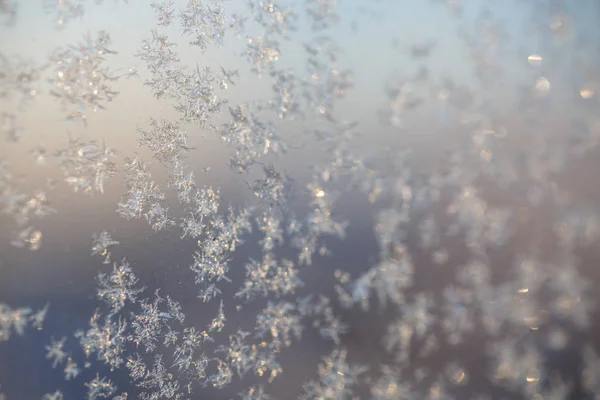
pixel 58 395
pixel 55 352
pixel 101 243
pixel 71 369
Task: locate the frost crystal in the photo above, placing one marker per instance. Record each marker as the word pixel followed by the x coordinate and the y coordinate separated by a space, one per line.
pixel 99 388
pixel 63 10
pixel 11 131
pixel 165 12
pixel 336 380
pixel 71 369
pixel 86 165
pixel 105 340
pixel 167 141
pixel 118 287
pixel 101 243
pixel 205 23
pixel 81 79
pixel 19 77
pixel 53 396
pixel 56 352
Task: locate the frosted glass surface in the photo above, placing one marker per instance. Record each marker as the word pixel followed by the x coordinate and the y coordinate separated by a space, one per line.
pixel 313 199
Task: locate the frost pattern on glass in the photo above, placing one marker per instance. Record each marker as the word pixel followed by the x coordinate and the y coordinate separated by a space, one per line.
pixel 476 228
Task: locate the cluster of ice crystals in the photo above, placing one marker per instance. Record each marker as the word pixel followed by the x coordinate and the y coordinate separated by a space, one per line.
pixel 19 319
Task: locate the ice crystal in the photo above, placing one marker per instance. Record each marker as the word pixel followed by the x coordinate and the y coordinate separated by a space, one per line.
pixel 19 77
pixel 251 138
pixel 255 393
pixel 63 10
pixel 148 324
pixel 274 188
pixel 198 99
pixel 280 322
pixel 322 13
pixel 82 81
pixel 101 243
pixel 273 17
pixel 106 340
pixel 56 352
pixel 86 165
pixel 269 277
pixel 262 53
pixel 58 395
pixel 99 388
pixel 143 197
pixel 118 287
pixel 205 23
pixel 9 127
pixel 165 11
pixel 163 64
pixel 336 380
pixel 71 369
pixel 167 141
